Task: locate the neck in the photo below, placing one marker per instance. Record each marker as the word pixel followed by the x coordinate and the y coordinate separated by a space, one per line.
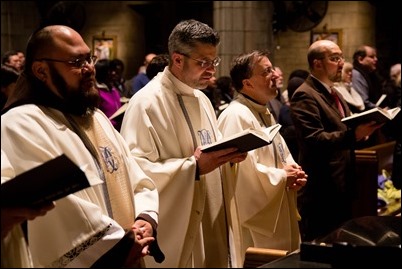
pixel 252 99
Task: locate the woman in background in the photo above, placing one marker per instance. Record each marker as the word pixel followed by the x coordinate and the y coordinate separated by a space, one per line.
pixel 345 88
pixel 109 94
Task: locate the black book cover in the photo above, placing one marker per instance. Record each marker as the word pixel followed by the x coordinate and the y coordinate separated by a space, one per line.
pixel 246 140
pixel 47 182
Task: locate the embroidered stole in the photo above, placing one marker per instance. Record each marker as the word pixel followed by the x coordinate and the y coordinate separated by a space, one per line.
pixel 119 189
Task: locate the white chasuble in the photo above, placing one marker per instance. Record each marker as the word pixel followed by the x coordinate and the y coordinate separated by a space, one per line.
pixel 163 124
pixel 265 211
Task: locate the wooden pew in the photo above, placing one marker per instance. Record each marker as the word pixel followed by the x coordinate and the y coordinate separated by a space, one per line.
pixel 369 164
pixel 256 257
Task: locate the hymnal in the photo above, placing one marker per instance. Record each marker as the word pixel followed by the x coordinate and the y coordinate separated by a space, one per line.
pixel 246 140
pixel 377 114
pixel 47 182
pixel 120 111
pixel 382 97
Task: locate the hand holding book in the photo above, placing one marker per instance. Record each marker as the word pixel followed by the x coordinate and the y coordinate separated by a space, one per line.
pixel 246 140
pixel 45 183
pixel 377 114
pixel 11 216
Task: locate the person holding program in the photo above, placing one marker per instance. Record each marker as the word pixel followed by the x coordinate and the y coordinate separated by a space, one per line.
pixel 261 190
pixel 15 252
pixel 326 144
pixel 54 111
pixel 165 125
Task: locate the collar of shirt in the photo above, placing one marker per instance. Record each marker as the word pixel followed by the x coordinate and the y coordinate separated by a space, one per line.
pixel 179 87
pixel 325 85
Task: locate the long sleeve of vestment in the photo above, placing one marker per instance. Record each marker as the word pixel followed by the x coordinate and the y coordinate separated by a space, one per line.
pixel 14 249
pixel 166 156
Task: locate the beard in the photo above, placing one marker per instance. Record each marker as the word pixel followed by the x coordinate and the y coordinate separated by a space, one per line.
pixel 79 101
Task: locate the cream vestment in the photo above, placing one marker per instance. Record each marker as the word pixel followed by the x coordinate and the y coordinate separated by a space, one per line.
pixel 163 124
pixel 79 230
pixel 14 249
pixel 264 209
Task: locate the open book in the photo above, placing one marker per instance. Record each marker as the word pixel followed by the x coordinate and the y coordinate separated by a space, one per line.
pixel 376 114
pixel 246 140
pixel 47 182
pixel 119 112
pixel 382 97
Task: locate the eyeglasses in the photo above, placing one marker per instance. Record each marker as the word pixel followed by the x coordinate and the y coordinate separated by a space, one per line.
pixel 204 63
pixel 267 71
pixel 336 58
pixel 78 63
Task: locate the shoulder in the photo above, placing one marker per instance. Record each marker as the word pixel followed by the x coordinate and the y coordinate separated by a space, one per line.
pixel 152 97
pixel 357 75
pixel 26 120
pixel 22 112
pixel 141 77
pixel 236 111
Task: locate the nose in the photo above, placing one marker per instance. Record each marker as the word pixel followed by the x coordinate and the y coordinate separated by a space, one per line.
pixel 87 67
pixel 212 67
pixel 275 74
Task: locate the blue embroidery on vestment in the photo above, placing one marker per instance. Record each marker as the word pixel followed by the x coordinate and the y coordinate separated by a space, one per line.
pixel 205 137
pixel 281 152
pixel 111 163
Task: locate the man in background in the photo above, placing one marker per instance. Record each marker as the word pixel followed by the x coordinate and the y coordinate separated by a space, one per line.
pixel 141 79
pixel 364 77
pixel 326 144
pixel 11 58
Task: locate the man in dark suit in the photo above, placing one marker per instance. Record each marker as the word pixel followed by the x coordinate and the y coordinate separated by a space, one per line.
pixel 326 144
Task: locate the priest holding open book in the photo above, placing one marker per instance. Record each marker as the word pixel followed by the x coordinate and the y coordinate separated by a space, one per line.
pixel 260 191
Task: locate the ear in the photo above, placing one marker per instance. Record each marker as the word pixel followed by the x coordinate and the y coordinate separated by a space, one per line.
pixel 317 63
pixel 39 70
pixel 246 83
pixel 177 59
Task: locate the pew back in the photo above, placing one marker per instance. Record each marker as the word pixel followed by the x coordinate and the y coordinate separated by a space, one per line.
pixel 369 164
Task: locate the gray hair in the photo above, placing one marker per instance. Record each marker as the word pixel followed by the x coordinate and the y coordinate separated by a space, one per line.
pixel 188 33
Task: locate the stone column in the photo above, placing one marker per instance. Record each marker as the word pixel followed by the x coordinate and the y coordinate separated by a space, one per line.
pixel 243 26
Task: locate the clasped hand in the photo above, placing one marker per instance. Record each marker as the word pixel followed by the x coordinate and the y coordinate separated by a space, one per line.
pixel 296 177
pixel 142 231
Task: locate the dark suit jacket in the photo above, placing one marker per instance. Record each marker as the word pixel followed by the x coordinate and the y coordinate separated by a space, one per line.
pixel 326 153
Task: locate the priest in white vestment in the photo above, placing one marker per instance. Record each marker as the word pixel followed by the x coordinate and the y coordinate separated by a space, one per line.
pixel 53 112
pixel 261 190
pixel 165 124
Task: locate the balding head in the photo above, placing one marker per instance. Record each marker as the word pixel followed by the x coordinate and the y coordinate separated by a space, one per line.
pixel 326 61
pixel 395 71
pixel 55 41
pixel 148 58
pixel 319 49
